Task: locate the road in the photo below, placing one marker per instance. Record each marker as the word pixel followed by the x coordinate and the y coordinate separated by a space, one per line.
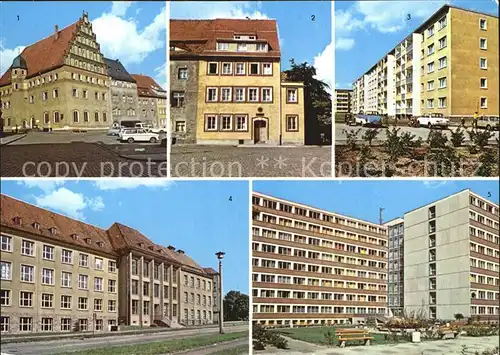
pixel 230 161
pixel 67 345
pixel 340 134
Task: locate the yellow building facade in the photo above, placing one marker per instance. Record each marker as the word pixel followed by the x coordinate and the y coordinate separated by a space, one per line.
pixel 240 95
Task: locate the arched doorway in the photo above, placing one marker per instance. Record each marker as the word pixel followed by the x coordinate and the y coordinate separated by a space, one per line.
pixel 260 130
pixel 25 124
pixel 33 122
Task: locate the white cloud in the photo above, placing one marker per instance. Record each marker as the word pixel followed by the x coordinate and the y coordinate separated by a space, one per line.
pixel 7 55
pixel 131 183
pixel 119 8
pixel 323 63
pixel 216 9
pixel 434 184
pixel 65 201
pixel 161 76
pixel 95 203
pixel 344 44
pixel 345 22
pixel 46 185
pixel 121 38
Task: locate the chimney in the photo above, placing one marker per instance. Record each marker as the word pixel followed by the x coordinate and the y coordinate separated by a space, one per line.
pixel 56 32
pixel 180 251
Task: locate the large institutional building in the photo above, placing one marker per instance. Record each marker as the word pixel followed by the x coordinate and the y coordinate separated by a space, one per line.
pixel 227 86
pixel 448 65
pixel 64 82
pixel 311 266
pixel 451 258
pixel 60 274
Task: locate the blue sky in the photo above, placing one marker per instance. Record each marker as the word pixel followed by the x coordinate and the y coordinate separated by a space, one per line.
pixel 134 32
pixel 194 216
pixel 300 37
pixel 366 30
pixel 362 199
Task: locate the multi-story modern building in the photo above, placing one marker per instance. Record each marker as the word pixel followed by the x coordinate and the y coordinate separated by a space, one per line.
pixel 343 100
pixel 58 82
pixel 395 228
pixel 60 274
pixel 123 90
pixel 152 101
pixel 451 258
pixel 311 266
pixel 447 65
pixel 226 85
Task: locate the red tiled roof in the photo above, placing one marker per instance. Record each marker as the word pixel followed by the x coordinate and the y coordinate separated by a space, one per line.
pixel 210 271
pixel 46 54
pixel 146 86
pixel 199 37
pixel 65 226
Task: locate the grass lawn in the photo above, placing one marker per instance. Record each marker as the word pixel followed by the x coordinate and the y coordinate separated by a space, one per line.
pixel 163 347
pixel 315 335
pixel 239 350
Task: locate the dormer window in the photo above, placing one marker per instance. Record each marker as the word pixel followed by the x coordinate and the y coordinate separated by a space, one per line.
pixel 17 220
pixel 151 247
pixel 237 37
pixel 100 244
pixel 88 240
pixel 242 47
pixel 251 38
pixel 36 225
pixel 141 244
pixel 53 230
pixel 261 47
pixel 222 46
pixel 74 236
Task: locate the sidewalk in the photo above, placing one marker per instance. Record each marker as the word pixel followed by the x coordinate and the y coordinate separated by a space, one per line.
pixel 12 138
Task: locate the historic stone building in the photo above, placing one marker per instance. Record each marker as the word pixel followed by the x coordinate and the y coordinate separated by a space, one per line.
pixel 60 274
pixel 59 82
pixel 152 108
pixel 226 85
pixel 123 90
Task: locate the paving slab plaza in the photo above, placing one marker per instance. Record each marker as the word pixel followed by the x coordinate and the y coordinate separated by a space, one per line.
pixel 437 347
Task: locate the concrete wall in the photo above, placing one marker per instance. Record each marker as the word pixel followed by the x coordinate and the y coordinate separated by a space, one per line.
pixel 452 257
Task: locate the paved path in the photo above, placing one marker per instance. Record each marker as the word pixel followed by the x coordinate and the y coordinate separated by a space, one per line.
pixel 230 161
pixel 340 136
pixel 217 347
pixel 438 347
pixel 65 345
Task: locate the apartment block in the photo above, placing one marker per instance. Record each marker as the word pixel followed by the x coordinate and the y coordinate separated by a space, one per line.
pixel 311 266
pixel 60 274
pixel 448 65
pixel 395 230
pixel 451 258
pixel 342 102
pixel 227 87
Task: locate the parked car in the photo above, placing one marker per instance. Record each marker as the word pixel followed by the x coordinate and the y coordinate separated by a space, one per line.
pixel 368 119
pixel 114 131
pixel 138 135
pixel 433 120
pixel 159 130
pixel 488 122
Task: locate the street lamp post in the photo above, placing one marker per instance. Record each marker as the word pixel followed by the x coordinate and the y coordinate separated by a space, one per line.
pixel 220 255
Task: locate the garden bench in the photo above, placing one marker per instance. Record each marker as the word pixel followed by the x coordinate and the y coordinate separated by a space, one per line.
pixel 447 333
pixel 345 335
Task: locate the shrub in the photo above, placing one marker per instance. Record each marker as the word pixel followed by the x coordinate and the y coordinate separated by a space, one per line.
pixel 397 146
pixel 459 316
pixel 329 338
pixel 370 135
pixel 457 137
pixel 351 138
pixel 443 162
pixel 262 337
pixel 437 139
pixel 480 139
pixel 488 162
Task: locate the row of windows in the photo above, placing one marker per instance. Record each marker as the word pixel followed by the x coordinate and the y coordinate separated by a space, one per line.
pixel 322 216
pixel 484 295
pixel 483 220
pixel 270 293
pixel 191 299
pixel 485 280
pixel 483 310
pixel 48 252
pixel 242 46
pixel 156 270
pixel 156 290
pixel 308 281
pixel 305 267
pixel 484 205
pixel 206 315
pixel 26 299
pixel 47 277
pixel 234 68
pixel 486 265
pixel 316 309
pixel 47 324
pixel 481 249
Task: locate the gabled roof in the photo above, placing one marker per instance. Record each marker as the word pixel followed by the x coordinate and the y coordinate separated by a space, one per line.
pixel 46 54
pixel 199 37
pixel 210 271
pixel 148 87
pixel 117 71
pixel 65 227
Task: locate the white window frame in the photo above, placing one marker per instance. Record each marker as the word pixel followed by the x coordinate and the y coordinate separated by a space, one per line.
pixel 64 256
pixel 51 300
pixel 27 247
pixel 296 123
pixel 296 98
pixel 83 282
pixel 230 97
pixel 485 63
pixel 245 123
pixel 264 68
pixel 445 64
pixel 29 324
pixel 270 94
pixel 216 93
pixel 430 49
pixel 216 68
pixel 222 46
pixel 485 81
pixel 445 23
pixel 48 276
pixel 48 252
pixel 230 68
pixel 21 298
pixel 83 260
pixel 31 274
pixel 235 95
pixel 485 43
pixel 250 68
pixel 429 101
pixel 485 101
pixel 445 82
pixel 242 47
pixel 6 270
pixel 65 281
pixel 485 24
pixel 258 94
pixel 68 298
pixel 96 263
pixel 86 303
pixel 5 243
pixel 98 284
pixel 244 68
pixel 7 298
pixel 222 122
pixel 439 102
pixel 261 47
pixel 445 38
pixel 430 85
pixel 207 120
